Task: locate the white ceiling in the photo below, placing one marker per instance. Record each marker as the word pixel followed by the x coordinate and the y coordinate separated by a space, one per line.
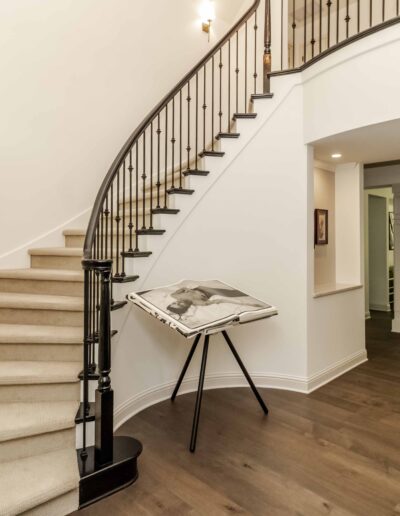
pixel 372 144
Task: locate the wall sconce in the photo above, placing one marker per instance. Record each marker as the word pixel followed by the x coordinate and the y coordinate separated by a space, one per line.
pixel 208 16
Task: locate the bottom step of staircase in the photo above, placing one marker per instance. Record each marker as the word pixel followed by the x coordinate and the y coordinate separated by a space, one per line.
pixel 98 482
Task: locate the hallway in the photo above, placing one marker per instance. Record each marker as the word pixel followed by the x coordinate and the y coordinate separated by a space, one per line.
pixel 335 451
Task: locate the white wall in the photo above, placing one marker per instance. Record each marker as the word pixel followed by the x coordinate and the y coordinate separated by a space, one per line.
pixel 264 254
pixel 377 250
pixel 77 78
pixel 380 301
pixel 340 92
pixel 239 231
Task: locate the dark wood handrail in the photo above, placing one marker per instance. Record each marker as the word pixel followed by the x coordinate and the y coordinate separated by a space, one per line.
pixel 105 186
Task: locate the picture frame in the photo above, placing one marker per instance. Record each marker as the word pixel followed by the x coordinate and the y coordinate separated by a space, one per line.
pixel 321 227
pixel 391 231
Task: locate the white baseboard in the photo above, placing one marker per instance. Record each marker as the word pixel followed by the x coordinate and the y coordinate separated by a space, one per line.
pixel 154 395
pixel 325 376
pixel 379 307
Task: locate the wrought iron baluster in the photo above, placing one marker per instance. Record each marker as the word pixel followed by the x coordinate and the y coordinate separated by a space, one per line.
pixel 370 13
pixel 358 15
pixel 123 219
pixel 312 28
pixel 294 25
pixel 204 107
pixel 180 138
pixel 106 214
pixel 237 71
pixel 196 157
pixel 212 103
pixel 112 229
pixel 137 197
pixel 220 90
pixel 229 85
pixel 188 148
pixel 245 68
pixel 347 19
pixel 166 157
pixel 151 176
pixel 305 32
pixel 383 10
pixel 320 26
pixel 144 182
pixel 158 161
pixel 117 220
pixel 337 20
pixel 255 53
pixel 173 140
pixel 130 225
pixel 329 4
pixel 102 233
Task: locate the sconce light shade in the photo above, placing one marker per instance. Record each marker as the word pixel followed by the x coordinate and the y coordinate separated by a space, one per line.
pixel 207 11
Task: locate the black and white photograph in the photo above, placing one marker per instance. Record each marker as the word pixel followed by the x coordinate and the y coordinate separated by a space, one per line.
pixel 192 306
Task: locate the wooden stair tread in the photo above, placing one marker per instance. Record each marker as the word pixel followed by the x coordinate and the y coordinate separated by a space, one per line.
pixel 25 419
pixel 35 373
pixel 56 251
pixel 40 302
pixel 42 274
pixel 39 334
pixel 32 481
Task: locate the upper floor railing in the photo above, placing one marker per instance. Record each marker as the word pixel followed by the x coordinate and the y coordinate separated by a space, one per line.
pixel 310 29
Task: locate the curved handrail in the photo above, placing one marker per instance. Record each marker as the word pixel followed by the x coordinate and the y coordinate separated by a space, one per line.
pixel 104 188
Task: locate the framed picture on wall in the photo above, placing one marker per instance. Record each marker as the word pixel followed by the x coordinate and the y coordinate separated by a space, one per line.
pixel 321 227
pixel 391 231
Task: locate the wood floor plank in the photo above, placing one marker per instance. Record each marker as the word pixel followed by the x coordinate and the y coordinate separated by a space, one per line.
pixel 334 452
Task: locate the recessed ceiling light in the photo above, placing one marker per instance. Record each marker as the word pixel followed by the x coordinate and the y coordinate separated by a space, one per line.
pixel 337 155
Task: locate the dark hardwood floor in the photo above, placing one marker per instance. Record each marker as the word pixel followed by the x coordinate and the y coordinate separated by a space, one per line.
pixel 334 452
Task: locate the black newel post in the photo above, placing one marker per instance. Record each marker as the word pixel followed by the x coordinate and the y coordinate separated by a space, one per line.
pixel 104 394
pixel 267 46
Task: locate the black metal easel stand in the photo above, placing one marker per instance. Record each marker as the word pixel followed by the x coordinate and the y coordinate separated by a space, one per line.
pixel 199 396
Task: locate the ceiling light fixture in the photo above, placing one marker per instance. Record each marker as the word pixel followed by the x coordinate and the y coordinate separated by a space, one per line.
pixel 336 155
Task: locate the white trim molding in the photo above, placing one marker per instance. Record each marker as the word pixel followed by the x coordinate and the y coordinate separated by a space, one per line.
pixel 305 385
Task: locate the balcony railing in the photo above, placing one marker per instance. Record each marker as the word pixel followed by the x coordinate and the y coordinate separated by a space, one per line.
pixel 309 29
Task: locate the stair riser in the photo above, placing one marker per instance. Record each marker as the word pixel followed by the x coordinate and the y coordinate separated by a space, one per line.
pixel 57 262
pixel 64 504
pixel 40 392
pixel 37 444
pixel 45 317
pixel 74 241
pixel 41 352
pixel 61 288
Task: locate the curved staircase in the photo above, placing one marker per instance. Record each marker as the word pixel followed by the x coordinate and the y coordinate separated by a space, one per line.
pixel 55 329
pixel 41 316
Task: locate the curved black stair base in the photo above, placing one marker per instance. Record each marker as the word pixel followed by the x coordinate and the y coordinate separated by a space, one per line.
pixel 98 482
